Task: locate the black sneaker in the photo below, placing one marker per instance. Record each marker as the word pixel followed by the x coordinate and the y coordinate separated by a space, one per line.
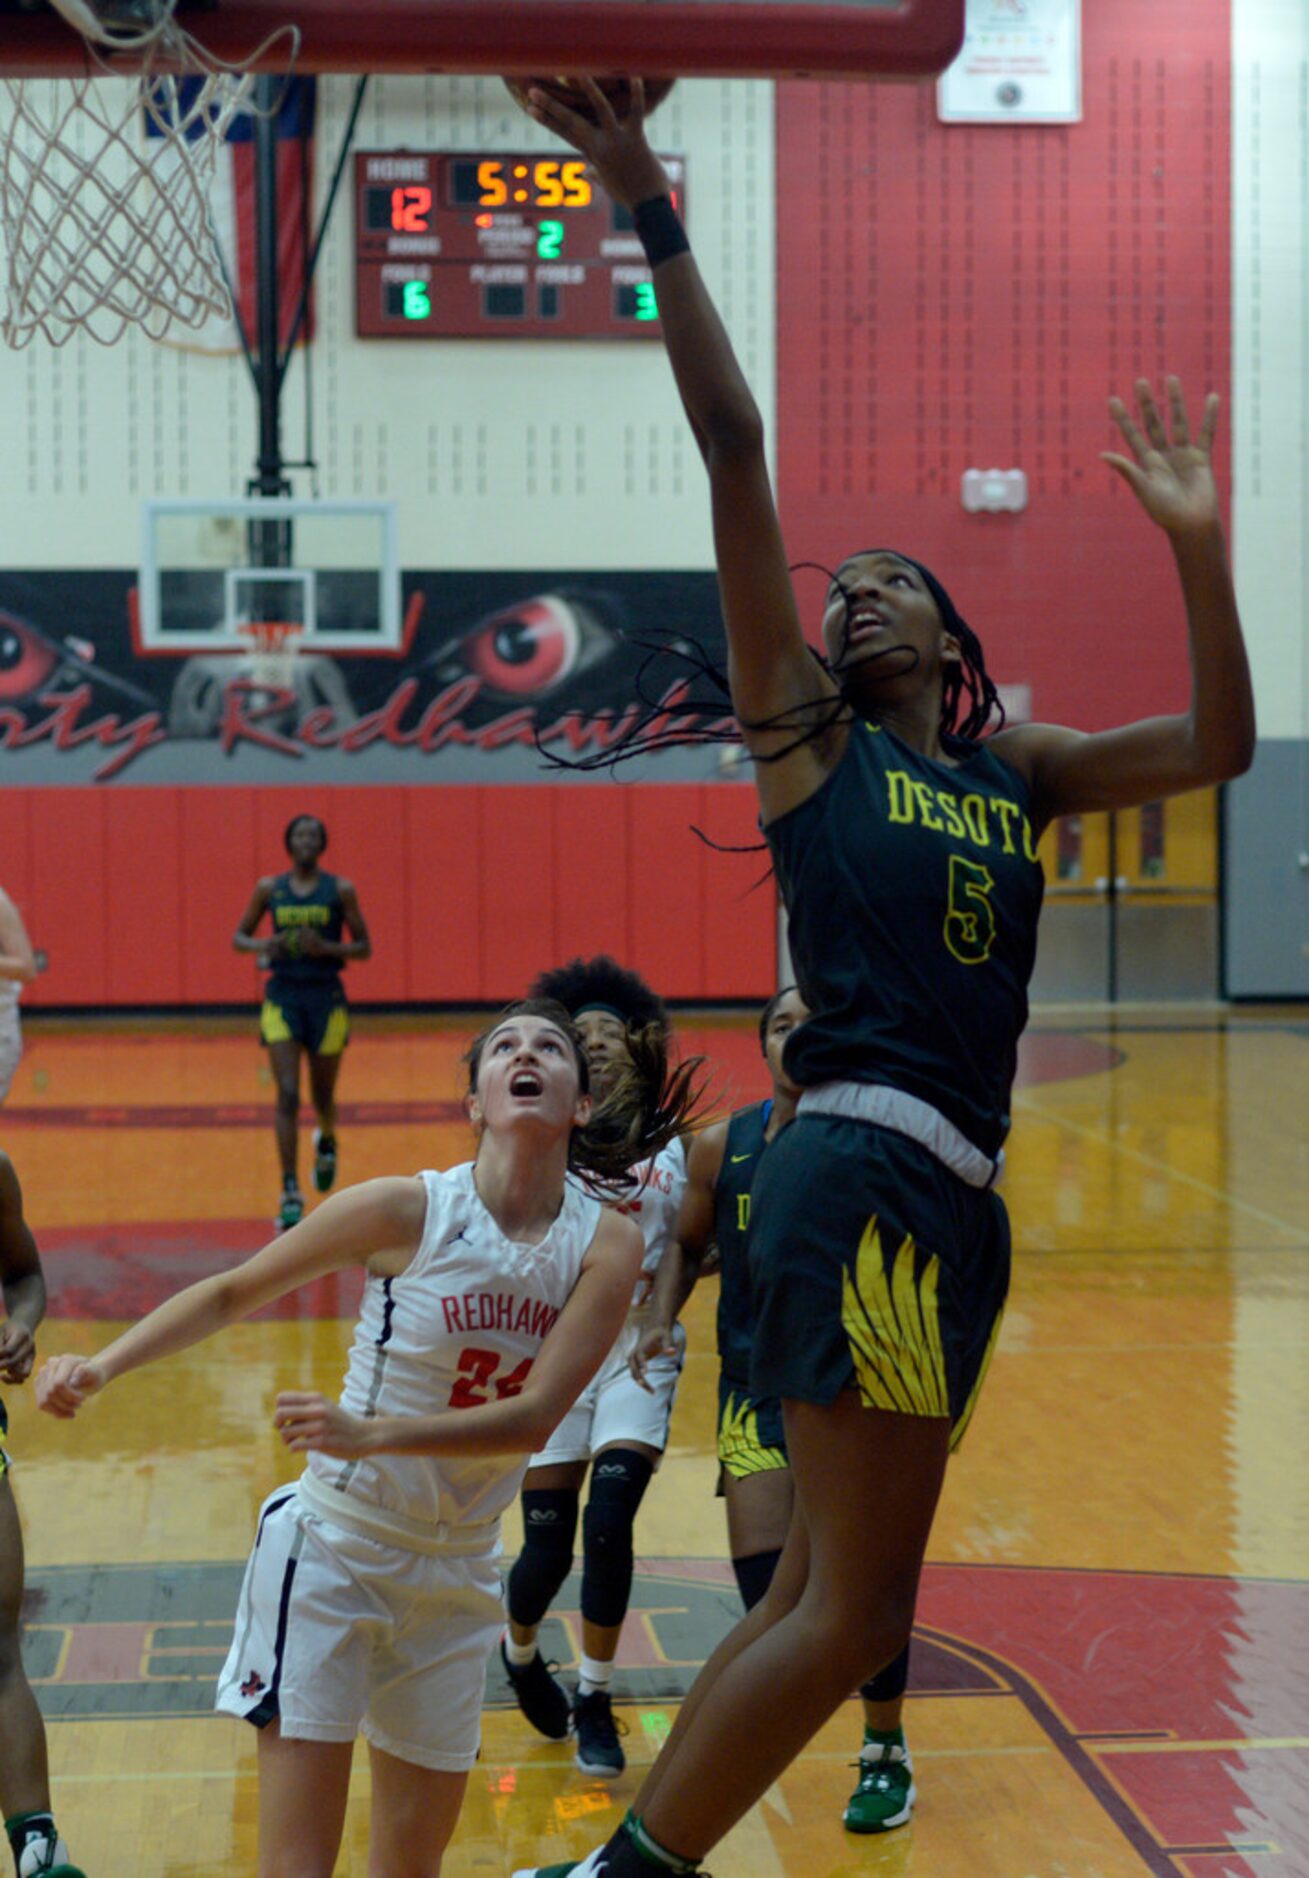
pixel 324 1161
pixel 543 1701
pixel 599 1750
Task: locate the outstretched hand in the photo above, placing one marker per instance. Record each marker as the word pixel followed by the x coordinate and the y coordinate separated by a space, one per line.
pixel 63 1384
pixel 614 146
pixel 1171 477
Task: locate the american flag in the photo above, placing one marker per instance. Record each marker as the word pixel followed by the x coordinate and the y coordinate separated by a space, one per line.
pixel 232 205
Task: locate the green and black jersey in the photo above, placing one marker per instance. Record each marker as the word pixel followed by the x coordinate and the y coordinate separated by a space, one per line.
pixel 913 890
pixel 292 913
pixel 741 1152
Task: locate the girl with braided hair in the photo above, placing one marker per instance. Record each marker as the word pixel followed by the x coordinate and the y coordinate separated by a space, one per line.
pixel 617 1428
pixel 372 1597
pixel 905 848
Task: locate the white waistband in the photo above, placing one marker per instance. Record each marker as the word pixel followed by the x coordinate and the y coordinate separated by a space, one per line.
pixel 906 1115
pixel 377 1522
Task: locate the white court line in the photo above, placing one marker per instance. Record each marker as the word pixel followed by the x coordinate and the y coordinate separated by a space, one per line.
pixel 1026 1104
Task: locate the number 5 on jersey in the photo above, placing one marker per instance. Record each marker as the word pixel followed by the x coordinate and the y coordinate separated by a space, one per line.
pixel 970 921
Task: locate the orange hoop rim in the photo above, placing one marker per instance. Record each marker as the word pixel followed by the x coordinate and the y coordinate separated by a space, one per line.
pixel 272 635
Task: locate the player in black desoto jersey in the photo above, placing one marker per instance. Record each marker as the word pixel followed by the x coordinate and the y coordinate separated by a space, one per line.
pixel 304 1010
pixel 372 1598
pixel 755 1474
pixel 905 849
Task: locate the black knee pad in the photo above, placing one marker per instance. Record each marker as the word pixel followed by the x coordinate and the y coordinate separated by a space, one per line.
pixel 754 1575
pixel 618 1483
pixel 549 1528
pixel 890 1682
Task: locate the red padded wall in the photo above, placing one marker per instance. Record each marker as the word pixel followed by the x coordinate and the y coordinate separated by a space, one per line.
pixel 955 296
pixel 468 891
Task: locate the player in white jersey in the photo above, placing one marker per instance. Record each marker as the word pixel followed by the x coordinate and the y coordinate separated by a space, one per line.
pixel 17 968
pixel 617 1427
pixel 371 1599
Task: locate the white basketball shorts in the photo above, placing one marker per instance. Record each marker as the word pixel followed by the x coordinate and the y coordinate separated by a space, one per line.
pixel 337 1635
pixel 614 1408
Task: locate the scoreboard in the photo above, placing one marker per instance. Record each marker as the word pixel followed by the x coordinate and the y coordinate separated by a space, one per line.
pixel 476 244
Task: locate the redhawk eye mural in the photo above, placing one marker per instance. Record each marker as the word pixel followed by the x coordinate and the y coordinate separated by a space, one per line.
pixel 493 669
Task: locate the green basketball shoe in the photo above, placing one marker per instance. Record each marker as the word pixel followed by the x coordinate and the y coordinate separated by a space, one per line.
pixel 886 1793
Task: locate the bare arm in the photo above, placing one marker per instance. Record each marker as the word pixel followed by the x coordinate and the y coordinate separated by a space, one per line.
pixel 773 674
pixel 17 959
pixel 678 1270
pixel 1159 756
pixel 243 939
pixel 582 1336
pixel 23 1283
pixel 359 945
pixel 363 1222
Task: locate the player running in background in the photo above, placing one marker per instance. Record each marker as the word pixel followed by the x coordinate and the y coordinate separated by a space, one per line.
pixel 18 967
pixel 304 1011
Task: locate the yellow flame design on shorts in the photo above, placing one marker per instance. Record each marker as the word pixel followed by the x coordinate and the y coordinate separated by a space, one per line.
pixel 891 1322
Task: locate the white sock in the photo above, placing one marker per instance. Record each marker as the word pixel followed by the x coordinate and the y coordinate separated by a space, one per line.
pixel 519 1654
pixel 593 1674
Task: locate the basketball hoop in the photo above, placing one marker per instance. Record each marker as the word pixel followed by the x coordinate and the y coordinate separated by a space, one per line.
pixel 274 645
pixel 105 179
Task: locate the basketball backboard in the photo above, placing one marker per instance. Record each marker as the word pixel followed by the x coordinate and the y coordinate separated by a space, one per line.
pixel 211 570
pixel 725 38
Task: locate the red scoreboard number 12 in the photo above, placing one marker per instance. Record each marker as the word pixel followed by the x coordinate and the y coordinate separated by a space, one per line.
pixel 411 209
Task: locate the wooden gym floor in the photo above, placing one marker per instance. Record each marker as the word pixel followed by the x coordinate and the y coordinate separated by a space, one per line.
pixel 1112 1655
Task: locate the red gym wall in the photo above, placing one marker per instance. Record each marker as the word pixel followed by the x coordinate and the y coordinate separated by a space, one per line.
pixel 958 297
pixel 949 297
pixel 468 891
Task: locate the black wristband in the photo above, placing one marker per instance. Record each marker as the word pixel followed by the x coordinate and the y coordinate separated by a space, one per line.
pixel 660 228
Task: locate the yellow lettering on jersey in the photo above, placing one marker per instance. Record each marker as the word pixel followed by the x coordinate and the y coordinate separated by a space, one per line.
pixel 954 821
pixel 974 814
pixel 927 814
pixel 1006 811
pixel 900 806
pixel 301 915
pixel 742 1211
pixel 985 821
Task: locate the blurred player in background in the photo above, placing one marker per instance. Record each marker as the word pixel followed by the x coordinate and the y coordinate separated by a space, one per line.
pixel 304 1010
pixel 24 1773
pixel 18 967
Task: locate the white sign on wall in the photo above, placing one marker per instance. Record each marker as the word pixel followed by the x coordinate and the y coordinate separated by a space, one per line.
pixel 1021 63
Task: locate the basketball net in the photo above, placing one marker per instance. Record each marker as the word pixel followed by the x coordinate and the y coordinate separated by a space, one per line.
pixel 106 226
pixel 274 644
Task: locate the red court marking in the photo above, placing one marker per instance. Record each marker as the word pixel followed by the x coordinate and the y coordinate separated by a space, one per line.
pixel 126 1270
pixel 1097 1656
pixel 1059 1055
